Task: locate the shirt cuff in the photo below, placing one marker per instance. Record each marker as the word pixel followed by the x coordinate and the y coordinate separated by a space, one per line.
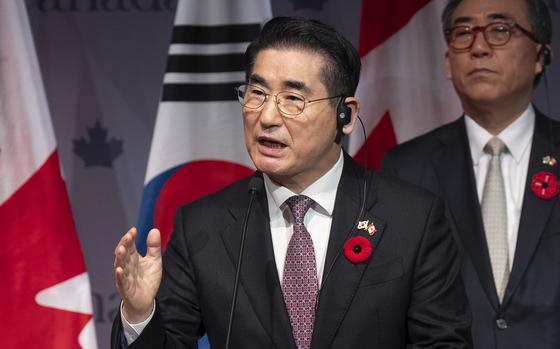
pixel 133 331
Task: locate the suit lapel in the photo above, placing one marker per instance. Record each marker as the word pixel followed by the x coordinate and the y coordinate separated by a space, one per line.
pixel 341 278
pixel 453 166
pixel 535 211
pixel 259 276
pixel 344 215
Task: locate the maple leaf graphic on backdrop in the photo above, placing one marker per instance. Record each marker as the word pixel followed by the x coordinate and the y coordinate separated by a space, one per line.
pixel 97 150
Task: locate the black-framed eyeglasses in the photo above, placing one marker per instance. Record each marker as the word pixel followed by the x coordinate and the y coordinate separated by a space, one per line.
pixel 461 37
pixel 290 104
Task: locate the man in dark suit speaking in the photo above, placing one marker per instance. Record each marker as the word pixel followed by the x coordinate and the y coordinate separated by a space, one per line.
pixel 334 257
pixel 496 167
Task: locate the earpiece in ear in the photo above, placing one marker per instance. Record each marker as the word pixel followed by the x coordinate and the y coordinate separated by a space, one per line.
pixel 546 54
pixel 343 114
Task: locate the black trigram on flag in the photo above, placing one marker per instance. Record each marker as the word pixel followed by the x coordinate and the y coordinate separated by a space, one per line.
pixel 210 63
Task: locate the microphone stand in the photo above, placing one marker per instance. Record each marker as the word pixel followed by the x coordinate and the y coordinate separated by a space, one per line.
pixel 255 186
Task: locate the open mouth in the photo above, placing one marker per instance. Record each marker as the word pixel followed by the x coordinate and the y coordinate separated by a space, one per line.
pixel 271 144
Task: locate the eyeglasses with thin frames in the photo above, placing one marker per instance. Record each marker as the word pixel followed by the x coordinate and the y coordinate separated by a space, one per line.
pixel 496 34
pixel 290 104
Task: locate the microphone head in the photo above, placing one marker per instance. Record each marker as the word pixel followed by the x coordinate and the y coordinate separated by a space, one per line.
pixel 256 185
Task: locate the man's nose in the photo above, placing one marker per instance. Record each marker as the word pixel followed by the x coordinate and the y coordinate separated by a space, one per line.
pixel 480 46
pixel 270 114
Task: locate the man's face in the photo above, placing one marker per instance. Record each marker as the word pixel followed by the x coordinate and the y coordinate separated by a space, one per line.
pixel 484 75
pixel 292 151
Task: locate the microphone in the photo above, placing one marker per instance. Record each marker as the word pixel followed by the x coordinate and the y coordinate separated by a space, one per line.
pixel 255 187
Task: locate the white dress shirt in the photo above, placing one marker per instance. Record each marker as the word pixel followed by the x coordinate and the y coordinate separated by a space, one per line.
pixel 517 137
pixel 317 221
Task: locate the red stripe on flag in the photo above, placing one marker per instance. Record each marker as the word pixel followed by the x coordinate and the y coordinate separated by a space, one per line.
pixel 41 249
pixel 382 19
pixel 380 140
pixel 193 181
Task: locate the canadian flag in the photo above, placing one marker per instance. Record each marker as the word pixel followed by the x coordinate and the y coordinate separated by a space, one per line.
pixel 403 89
pixel 45 298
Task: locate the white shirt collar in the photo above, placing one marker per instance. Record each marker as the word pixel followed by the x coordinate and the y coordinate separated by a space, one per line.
pixel 517 136
pixel 322 191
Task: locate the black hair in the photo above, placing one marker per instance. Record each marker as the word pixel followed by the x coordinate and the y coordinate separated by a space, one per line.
pixel 341 71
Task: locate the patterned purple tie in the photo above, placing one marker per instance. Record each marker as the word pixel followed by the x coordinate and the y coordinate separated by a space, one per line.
pixel 299 284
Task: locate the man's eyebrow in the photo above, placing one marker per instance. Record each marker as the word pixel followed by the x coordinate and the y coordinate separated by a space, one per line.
pixel 296 85
pixel 491 16
pixel 257 79
pixel 461 20
pixel 501 16
pixel 288 84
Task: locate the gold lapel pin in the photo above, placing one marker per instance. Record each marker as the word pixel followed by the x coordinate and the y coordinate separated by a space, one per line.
pixel 363 225
pixel 549 160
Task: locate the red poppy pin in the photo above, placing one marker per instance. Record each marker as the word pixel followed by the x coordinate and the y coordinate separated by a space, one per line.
pixel 357 249
pixel 544 185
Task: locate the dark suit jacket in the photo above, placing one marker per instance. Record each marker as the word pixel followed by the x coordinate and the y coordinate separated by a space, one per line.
pixel 407 292
pixel 441 162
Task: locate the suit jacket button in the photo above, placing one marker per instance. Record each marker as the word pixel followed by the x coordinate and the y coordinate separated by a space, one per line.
pixel 502 324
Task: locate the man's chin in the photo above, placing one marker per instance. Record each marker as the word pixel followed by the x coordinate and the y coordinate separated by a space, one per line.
pixel 271 167
pixel 482 94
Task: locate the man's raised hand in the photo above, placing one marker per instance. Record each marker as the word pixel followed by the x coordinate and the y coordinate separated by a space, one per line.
pixel 138 278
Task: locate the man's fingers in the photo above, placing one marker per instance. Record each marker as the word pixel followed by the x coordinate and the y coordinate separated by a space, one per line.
pixel 119 252
pixel 119 274
pixel 131 241
pixel 124 253
pixel 153 243
pixel 128 242
pixel 128 239
pixel 124 276
pixel 122 267
pixel 121 279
